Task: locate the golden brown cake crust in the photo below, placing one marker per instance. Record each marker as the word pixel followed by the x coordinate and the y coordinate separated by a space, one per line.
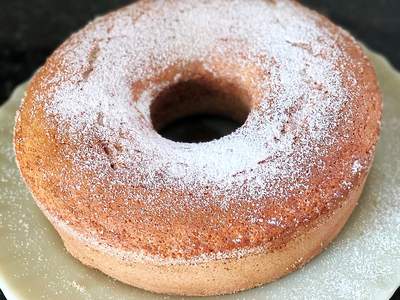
pixel 86 146
pixel 216 277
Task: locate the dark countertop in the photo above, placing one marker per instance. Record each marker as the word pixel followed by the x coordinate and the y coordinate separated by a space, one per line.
pixel 31 30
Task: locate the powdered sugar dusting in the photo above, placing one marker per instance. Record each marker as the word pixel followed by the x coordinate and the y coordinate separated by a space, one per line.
pixel 357 167
pixel 133 46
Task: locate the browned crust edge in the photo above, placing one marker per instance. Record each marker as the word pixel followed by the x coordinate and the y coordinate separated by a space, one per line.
pixel 223 276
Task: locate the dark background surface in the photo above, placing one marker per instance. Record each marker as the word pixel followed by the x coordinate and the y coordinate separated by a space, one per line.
pixel 31 30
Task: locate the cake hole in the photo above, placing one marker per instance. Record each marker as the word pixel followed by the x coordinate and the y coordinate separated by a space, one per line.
pixel 199 110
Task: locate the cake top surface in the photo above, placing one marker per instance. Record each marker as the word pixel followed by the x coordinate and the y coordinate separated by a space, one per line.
pixel 138 43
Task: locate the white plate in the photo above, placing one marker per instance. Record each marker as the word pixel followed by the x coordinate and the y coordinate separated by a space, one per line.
pixel 362 263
